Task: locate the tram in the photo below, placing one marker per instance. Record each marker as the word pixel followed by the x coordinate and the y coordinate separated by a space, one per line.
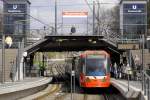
pixel 93 69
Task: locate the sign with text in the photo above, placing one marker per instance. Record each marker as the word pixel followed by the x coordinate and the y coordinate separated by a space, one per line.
pixel 134 8
pixel 16 8
pixel 128 46
pixel 76 19
pixel 75 14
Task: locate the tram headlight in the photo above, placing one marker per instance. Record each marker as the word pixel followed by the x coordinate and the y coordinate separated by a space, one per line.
pixel 104 79
pixel 87 79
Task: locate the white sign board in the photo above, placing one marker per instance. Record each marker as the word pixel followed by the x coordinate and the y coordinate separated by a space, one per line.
pixel 75 14
pixel 79 20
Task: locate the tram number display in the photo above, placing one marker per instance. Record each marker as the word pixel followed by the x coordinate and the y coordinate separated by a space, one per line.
pixel 128 46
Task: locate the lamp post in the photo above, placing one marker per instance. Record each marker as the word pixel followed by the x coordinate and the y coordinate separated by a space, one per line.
pixel 143 43
pixel 55 17
pixel 17 23
pixel 93 17
pixel 3 58
pixel 8 41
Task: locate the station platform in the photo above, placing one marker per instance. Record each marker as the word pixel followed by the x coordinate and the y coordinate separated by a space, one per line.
pixel 132 91
pixel 23 88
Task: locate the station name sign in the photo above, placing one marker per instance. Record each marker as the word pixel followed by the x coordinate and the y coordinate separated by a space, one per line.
pixel 16 8
pixel 128 46
pixel 134 8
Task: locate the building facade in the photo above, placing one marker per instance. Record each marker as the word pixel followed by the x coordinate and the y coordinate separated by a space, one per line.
pixel 16 19
pixel 133 17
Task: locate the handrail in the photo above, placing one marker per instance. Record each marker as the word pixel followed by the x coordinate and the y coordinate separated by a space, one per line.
pixel 112 37
pixel 146 84
pixel 146 75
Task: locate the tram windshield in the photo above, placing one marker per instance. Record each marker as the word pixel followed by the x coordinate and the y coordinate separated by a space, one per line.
pixel 95 66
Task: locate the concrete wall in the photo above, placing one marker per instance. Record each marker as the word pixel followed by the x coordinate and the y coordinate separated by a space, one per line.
pixel 10 55
pixel 146 56
pixel 22 89
pixel 21 94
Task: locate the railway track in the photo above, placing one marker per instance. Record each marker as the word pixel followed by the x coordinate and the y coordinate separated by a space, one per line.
pixel 54 89
pixel 62 90
pixel 105 97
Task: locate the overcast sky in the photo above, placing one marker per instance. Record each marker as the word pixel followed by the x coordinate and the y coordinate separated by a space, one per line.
pixel 44 9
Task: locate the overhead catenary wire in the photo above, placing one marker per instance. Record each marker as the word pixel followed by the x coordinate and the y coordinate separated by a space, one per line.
pixel 76 4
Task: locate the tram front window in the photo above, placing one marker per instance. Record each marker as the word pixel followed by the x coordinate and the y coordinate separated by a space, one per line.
pixel 95 67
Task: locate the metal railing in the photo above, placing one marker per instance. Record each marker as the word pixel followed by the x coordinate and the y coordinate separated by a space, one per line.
pixel 112 37
pixel 34 35
pixel 146 84
pixel 130 38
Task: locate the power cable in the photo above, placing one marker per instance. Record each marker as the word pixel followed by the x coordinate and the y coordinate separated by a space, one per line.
pixel 77 4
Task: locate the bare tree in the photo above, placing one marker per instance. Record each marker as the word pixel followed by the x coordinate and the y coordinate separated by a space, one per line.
pixel 108 21
pixel 115 22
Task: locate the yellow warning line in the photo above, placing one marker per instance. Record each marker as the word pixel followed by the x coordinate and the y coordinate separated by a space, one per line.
pixel 52 89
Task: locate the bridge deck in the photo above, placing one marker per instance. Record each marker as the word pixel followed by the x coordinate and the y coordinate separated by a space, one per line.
pixel 72 43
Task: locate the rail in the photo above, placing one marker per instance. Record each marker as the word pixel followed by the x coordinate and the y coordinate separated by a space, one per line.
pixel 146 84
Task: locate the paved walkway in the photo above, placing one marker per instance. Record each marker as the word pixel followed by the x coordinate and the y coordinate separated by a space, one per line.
pixel 135 88
pixel 137 85
pixel 26 80
pixel 9 87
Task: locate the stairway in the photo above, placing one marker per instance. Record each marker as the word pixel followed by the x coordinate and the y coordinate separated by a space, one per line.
pixel 10 56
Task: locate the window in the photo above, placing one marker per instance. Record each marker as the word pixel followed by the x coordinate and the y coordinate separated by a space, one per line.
pixel 134 29
pixel 134 19
pixel 95 67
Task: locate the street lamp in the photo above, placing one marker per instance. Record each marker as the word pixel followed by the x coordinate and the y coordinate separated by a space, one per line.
pixel 8 41
pixel 73 30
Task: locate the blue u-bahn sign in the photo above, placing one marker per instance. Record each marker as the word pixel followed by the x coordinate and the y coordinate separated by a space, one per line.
pixel 16 8
pixel 134 8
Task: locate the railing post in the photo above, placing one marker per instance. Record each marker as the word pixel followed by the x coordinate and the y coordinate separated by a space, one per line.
pixel 148 89
pixel 144 86
pixel 142 81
